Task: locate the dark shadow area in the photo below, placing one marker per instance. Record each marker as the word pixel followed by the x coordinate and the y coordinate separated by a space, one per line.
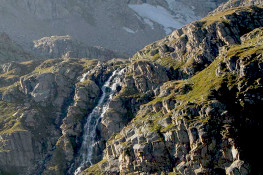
pixel 247 126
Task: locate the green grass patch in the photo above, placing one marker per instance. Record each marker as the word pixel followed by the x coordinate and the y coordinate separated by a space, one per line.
pixel 95 169
pixel 221 16
pixel 202 84
pixel 8 121
pixel 15 128
pixel 166 61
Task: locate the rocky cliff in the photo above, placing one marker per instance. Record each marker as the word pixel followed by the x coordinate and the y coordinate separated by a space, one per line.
pixel 66 47
pixel 187 104
pixel 199 125
pixel 237 3
pixel 194 46
pixel 36 105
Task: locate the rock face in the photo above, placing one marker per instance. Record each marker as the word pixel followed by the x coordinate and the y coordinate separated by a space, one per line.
pixel 187 133
pixel 50 48
pixel 43 111
pixel 18 150
pixel 196 45
pixel 10 51
pixel 187 104
pixel 237 3
pixel 66 47
pixel 111 24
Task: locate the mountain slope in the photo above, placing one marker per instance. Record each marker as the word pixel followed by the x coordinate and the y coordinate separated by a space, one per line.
pixel 187 104
pixel 206 124
pixel 237 3
pixel 109 24
pixel 193 47
pixel 65 46
pixel 10 51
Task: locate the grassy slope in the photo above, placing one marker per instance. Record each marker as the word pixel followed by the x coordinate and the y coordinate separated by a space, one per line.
pixel 202 85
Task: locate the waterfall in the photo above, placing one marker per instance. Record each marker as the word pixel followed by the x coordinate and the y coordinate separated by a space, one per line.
pixel 108 91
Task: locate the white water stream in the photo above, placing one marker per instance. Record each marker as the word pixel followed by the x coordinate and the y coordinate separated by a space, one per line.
pixel 108 91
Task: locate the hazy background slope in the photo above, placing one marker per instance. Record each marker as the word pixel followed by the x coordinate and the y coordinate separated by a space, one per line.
pixel 125 25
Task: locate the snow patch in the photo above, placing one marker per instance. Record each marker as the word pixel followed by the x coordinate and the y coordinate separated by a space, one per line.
pixel 129 30
pixel 184 13
pixel 149 22
pixel 157 14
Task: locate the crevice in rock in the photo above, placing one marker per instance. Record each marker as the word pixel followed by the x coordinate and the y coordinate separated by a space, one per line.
pixel 64 109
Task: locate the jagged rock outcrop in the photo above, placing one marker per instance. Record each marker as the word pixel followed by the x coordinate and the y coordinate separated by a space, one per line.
pixel 193 47
pixel 32 110
pixel 198 130
pixel 236 3
pixel 12 71
pixel 139 84
pixel 66 47
pixel 85 97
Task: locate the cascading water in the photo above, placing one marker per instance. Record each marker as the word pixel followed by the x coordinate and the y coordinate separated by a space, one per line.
pixel 109 89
